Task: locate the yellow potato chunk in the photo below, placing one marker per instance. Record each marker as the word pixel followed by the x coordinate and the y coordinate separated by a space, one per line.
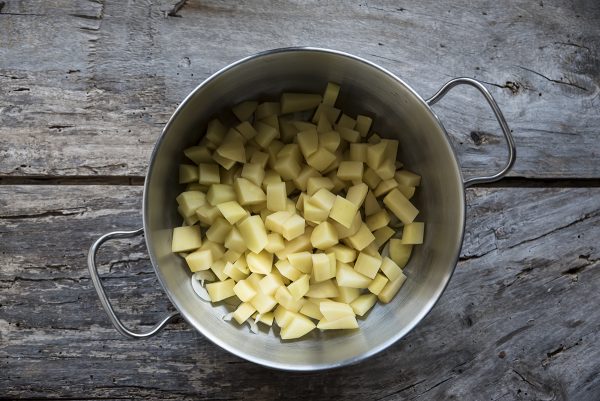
pixel 243 312
pixel 208 174
pixel 407 178
pixel 248 193
pixel 301 261
pixel 232 211
pixel 263 303
pixel 412 233
pixel 298 326
pixel 344 232
pixel 321 159
pixel 287 270
pixel 215 131
pixel 330 112
pixel 363 125
pixel 409 192
pixel 199 260
pixel 232 147
pixel 357 194
pixel 299 287
pixel 198 154
pixel 346 322
pixel 390 269
pixel 231 270
pixel 276 221
pixel 285 299
pixel 382 235
pixel 313 184
pixel 254 233
pixel 282 316
pixel 208 214
pixel 265 134
pixel 299 244
pixel 347 294
pixel 332 310
pixel 377 284
pixel 220 193
pixel 346 121
pixel 260 263
pixel 343 211
pixel 391 289
pixel 324 289
pixel 270 283
pixel 348 134
pixel 244 110
pixel 218 268
pixel 323 199
pixel 308 141
pixel 331 93
pixel 220 290
pixel 235 241
pixel 399 252
pixel 329 139
pixel 367 265
pixel 371 178
pixel 266 109
pixel 188 173
pixel 358 152
pixel 293 227
pixel 346 276
pixel 363 304
pixel 190 201
pixel 253 173
pixel 293 102
pixel 324 236
pixel 311 310
pixel 343 253
pixel 276 197
pixel 362 238
pixel 186 239
pixel 244 290
pixel 224 162
pixel 321 267
pixel 400 206
pixel 275 243
pixel 260 158
pixel 218 231
pixel 217 249
pixel 314 213
pixel 350 170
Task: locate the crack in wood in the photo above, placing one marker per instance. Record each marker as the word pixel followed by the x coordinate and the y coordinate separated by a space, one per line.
pixel 51 213
pixel 395 393
pixel 435 385
pixel 173 12
pixel 556 81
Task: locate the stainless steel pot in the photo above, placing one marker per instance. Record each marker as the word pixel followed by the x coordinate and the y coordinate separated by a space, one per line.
pixel 400 111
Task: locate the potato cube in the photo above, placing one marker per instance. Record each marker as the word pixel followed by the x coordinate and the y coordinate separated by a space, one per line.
pixel 208 174
pixel 382 235
pixel 276 197
pixel 276 221
pixel 244 110
pixel 331 93
pixel 254 233
pixel 346 322
pixel 407 178
pixel 391 289
pixel 293 102
pixel 377 284
pixel 234 241
pixel 266 318
pixel 346 276
pixel 260 263
pixel 349 135
pixel 343 211
pixel 189 221
pixel 299 244
pixel 363 304
pixel 218 231
pixel 323 199
pixel 378 220
pixel 329 139
pixel 298 326
pixel 248 132
pixel 190 201
pixel 220 193
pixel 232 147
pixel 358 152
pixel 344 232
pixel 391 270
pixel 293 227
pixel 301 180
pixel 347 294
pixel 265 134
pixel 324 289
pixel 198 154
pixel 188 173
pixel 301 261
pixel 321 159
pixel 332 310
pixel 263 303
pixel 314 213
pixel 215 131
pixel 243 312
pixel 343 253
pixel 324 236
pixel 199 260
pixel 282 316
pixel 408 192
pixel 400 206
pixel 232 211
pixel 330 112
pixel 186 239
pixel 232 271
pixel 287 270
pixel 362 238
pixel 253 173
pixel 386 170
pixel 350 170
pixel 399 252
pixel 316 183
pixel 218 268
pixel 385 187
pixel 275 243
pixel 261 159
pixel 311 310
pixel 228 176
pixel 217 249
pixel 363 125
pixel 272 150
pixel 367 265
pixel 321 267
pixel 287 167
pixel 412 233
pixel 285 299
pixel 220 290
pixel 371 178
pixel 357 194
pixel 266 109
pixel 224 162
pixel 244 290
pixel 308 141
pixel 376 155
pixel 372 249
pixel 346 122
pixel 299 287
pixel 270 283
pixel 248 193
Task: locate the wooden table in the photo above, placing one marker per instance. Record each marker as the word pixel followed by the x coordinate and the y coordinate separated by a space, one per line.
pixel 85 88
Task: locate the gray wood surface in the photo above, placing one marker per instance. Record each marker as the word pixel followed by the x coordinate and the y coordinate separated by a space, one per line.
pixel 518 320
pixel 85 88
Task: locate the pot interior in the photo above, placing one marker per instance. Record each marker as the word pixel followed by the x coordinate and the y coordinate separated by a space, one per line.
pixel 398 113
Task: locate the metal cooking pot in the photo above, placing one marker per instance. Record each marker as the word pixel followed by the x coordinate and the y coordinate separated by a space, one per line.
pixel 424 146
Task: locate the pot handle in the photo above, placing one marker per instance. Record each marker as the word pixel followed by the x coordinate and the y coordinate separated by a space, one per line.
pixel 512 151
pixel 102 293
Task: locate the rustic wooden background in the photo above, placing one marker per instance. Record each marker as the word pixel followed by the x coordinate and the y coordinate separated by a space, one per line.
pixel 85 88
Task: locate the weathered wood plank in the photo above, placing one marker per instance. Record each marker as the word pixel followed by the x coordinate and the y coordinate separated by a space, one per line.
pixel 118 69
pixel 517 321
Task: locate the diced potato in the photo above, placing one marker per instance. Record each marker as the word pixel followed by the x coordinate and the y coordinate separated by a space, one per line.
pixel 382 235
pixel 186 239
pixel 235 241
pixel 282 316
pixel 301 261
pixel 287 167
pixel 408 192
pixel 220 193
pixel 391 270
pixel 321 159
pixel 385 187
pixel 299 287
pixel 323 199
pixel 332 310
pixel 217 249
pixel 321 267
pixel 290 150
pixel 266 109
pixel 266 318
pixel 232 271
pixel 357 194
pixel 344 232
pixel 308 141
pixel 263 303
pixel 299 326
pixel 228 176
pixel 413 233
pixel 387 169
pixel 316 183
pixel 190 201
pixel 358 152
pixel 232 147
pixel 260 263
pixel 346 121
pixel 391 289
pixel 324 236
pixel 372 249
pixel 285 298
pixel 314 213
pixel 399 252
pixel 362 238
pixel 220 290
pixel 377 284
pixel 363 304
pixel 301 180
pixel 273 121
pixel 371 178
pixel 348 134
pixel 272 150
pixel 260 158
pixel 367 265
pixel 243 111
pixel 343 211
pixel 248 193
pixel 253 173
pixel 270 283
pixel 224 162
pixel 271 177
pixel 377 220
pixel 265 134
pixel 293 102
pixel 311 310
pixel 187 173
pixel 199 260
pixel 407 178
pixel 347 294
pixel 276 197
pixel 346 276
pixel 293 227
pixel 328 111
pixel 302 243
pixel 330 140
pixel 244 290
pixel 243 312
pixel 374 139
pixel 363 125
pixel 346 322
pixel 208 214
pixel 350 170
pixel 275 243
pixel 218 231
pixel 254 233
pixel 218 268
pixel 287 270
pixel 208 174
pixel 400 206
pixel 287 130
pixel 198 154
pixel 324 289
pixel 376 155
pixel 232 211
pixel 331 93
pixel 215 131
pixel 343 253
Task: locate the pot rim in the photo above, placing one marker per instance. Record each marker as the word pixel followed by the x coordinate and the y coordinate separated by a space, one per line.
pixel 263 361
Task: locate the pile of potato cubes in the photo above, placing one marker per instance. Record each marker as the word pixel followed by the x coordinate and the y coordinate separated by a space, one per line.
pixel 290 216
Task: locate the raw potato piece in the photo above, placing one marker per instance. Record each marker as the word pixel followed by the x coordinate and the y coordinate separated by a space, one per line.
pixel 399 252
pixel 343 211
pixel 220 290
pixel 324 236
pixel 297 327
pixel 248 193
pixel 293 102
pixel 208 174
pixel 390 269
pixel 346 322
pixel 232 211
pixel 331 93
pixel 350 170
pixel 391 289
pixel 276 197
pixel 187 173
pixel 253 231
pixel 346 276
pixel 243 111
pixel 400 206
pixel 199 260
pixel 243 312
pixel 335 310
pixel 367 265
pixel 186 239
pixel 362 304
pixel 413 233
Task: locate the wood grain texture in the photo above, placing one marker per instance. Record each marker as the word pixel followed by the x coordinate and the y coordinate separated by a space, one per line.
pixel 518 320
pixel 86 86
